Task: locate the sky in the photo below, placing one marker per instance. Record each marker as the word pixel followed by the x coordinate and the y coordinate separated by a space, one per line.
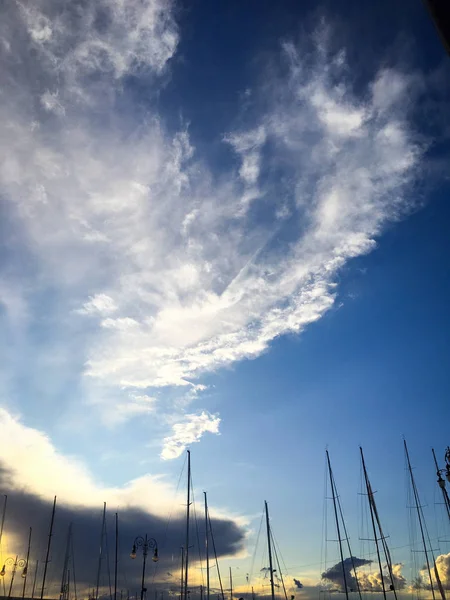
pixel 224 228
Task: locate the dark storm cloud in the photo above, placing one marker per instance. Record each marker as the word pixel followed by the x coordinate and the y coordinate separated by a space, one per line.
pixel 335 574
pixel 26 510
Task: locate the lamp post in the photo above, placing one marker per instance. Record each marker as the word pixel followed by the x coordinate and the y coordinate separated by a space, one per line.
pixel 21 563
pixel 145 544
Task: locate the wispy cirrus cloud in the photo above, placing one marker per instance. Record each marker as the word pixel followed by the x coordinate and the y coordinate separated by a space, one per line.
pixel 164 268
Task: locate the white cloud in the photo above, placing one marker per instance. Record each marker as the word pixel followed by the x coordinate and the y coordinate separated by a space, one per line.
pixel 99 304
pixel 36 467
pixel 187 432
pixel 127 225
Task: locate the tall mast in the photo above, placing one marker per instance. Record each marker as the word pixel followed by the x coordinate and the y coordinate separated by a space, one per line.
pixel 231 585
pixel 63 592
pixel 421 526
pixel 116 556
pixel 372 518
pixel 374 512
pixel 269 548
pixel 441 484
pixel 48 548
pixel 206 546
pixel 338 529
pixel 186 550
pixel 3 519
pixel 25 571
pixel 100 551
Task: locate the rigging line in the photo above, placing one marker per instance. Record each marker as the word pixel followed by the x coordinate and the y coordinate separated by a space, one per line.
pixel 323 545
pixel 278 563
pixel 374 529
pixel 420 517
pixel 347 537
pixel 215 555
pixel 255 550
pixel 275 541
pixel 197 535
pixel 169 518
pixel 333 493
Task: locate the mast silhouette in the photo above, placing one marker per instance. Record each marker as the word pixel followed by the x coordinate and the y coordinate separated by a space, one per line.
pixel 188 506
pixel 441 484
pixel 206 546
pixel 338 529
pixel 269 549
pixel 378 535
pixel 48 548
pixel 422 527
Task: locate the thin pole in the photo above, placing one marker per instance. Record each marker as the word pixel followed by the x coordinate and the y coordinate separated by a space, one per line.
pixel 48 548
pixel 441 483
pixel 253 594
pixel 3 519
pixel 34 579
pixel 26 565
pixel 369 494
pixel 62 593
pixel 186 561
pixel 144 552
pixel 116 556
pixel 100 551
pixel 13 574
pixel 416 498
pixel 231 585
pixel 206 546
pixel 337 523
pixel 269 548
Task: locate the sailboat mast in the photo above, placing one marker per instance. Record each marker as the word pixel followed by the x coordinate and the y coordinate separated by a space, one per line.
pixel 231 585
pixel 100 551
pixel 372 518
pixel 3 519
pixel 419 516
pixel 48 548
pixel 206 546
pixel 186 558
pixel 25 571
pixel 338 529
pixel 63 591
pixel 441 483
pixel 269 549
pixel 116 556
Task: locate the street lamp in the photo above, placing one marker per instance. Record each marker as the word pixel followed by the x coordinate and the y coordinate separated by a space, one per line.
pixel 145 544
pixel 21 563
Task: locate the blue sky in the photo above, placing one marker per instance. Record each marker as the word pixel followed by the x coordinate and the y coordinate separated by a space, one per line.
pixel 225 228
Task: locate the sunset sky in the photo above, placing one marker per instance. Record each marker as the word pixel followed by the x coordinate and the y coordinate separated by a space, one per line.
pixel 224 228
